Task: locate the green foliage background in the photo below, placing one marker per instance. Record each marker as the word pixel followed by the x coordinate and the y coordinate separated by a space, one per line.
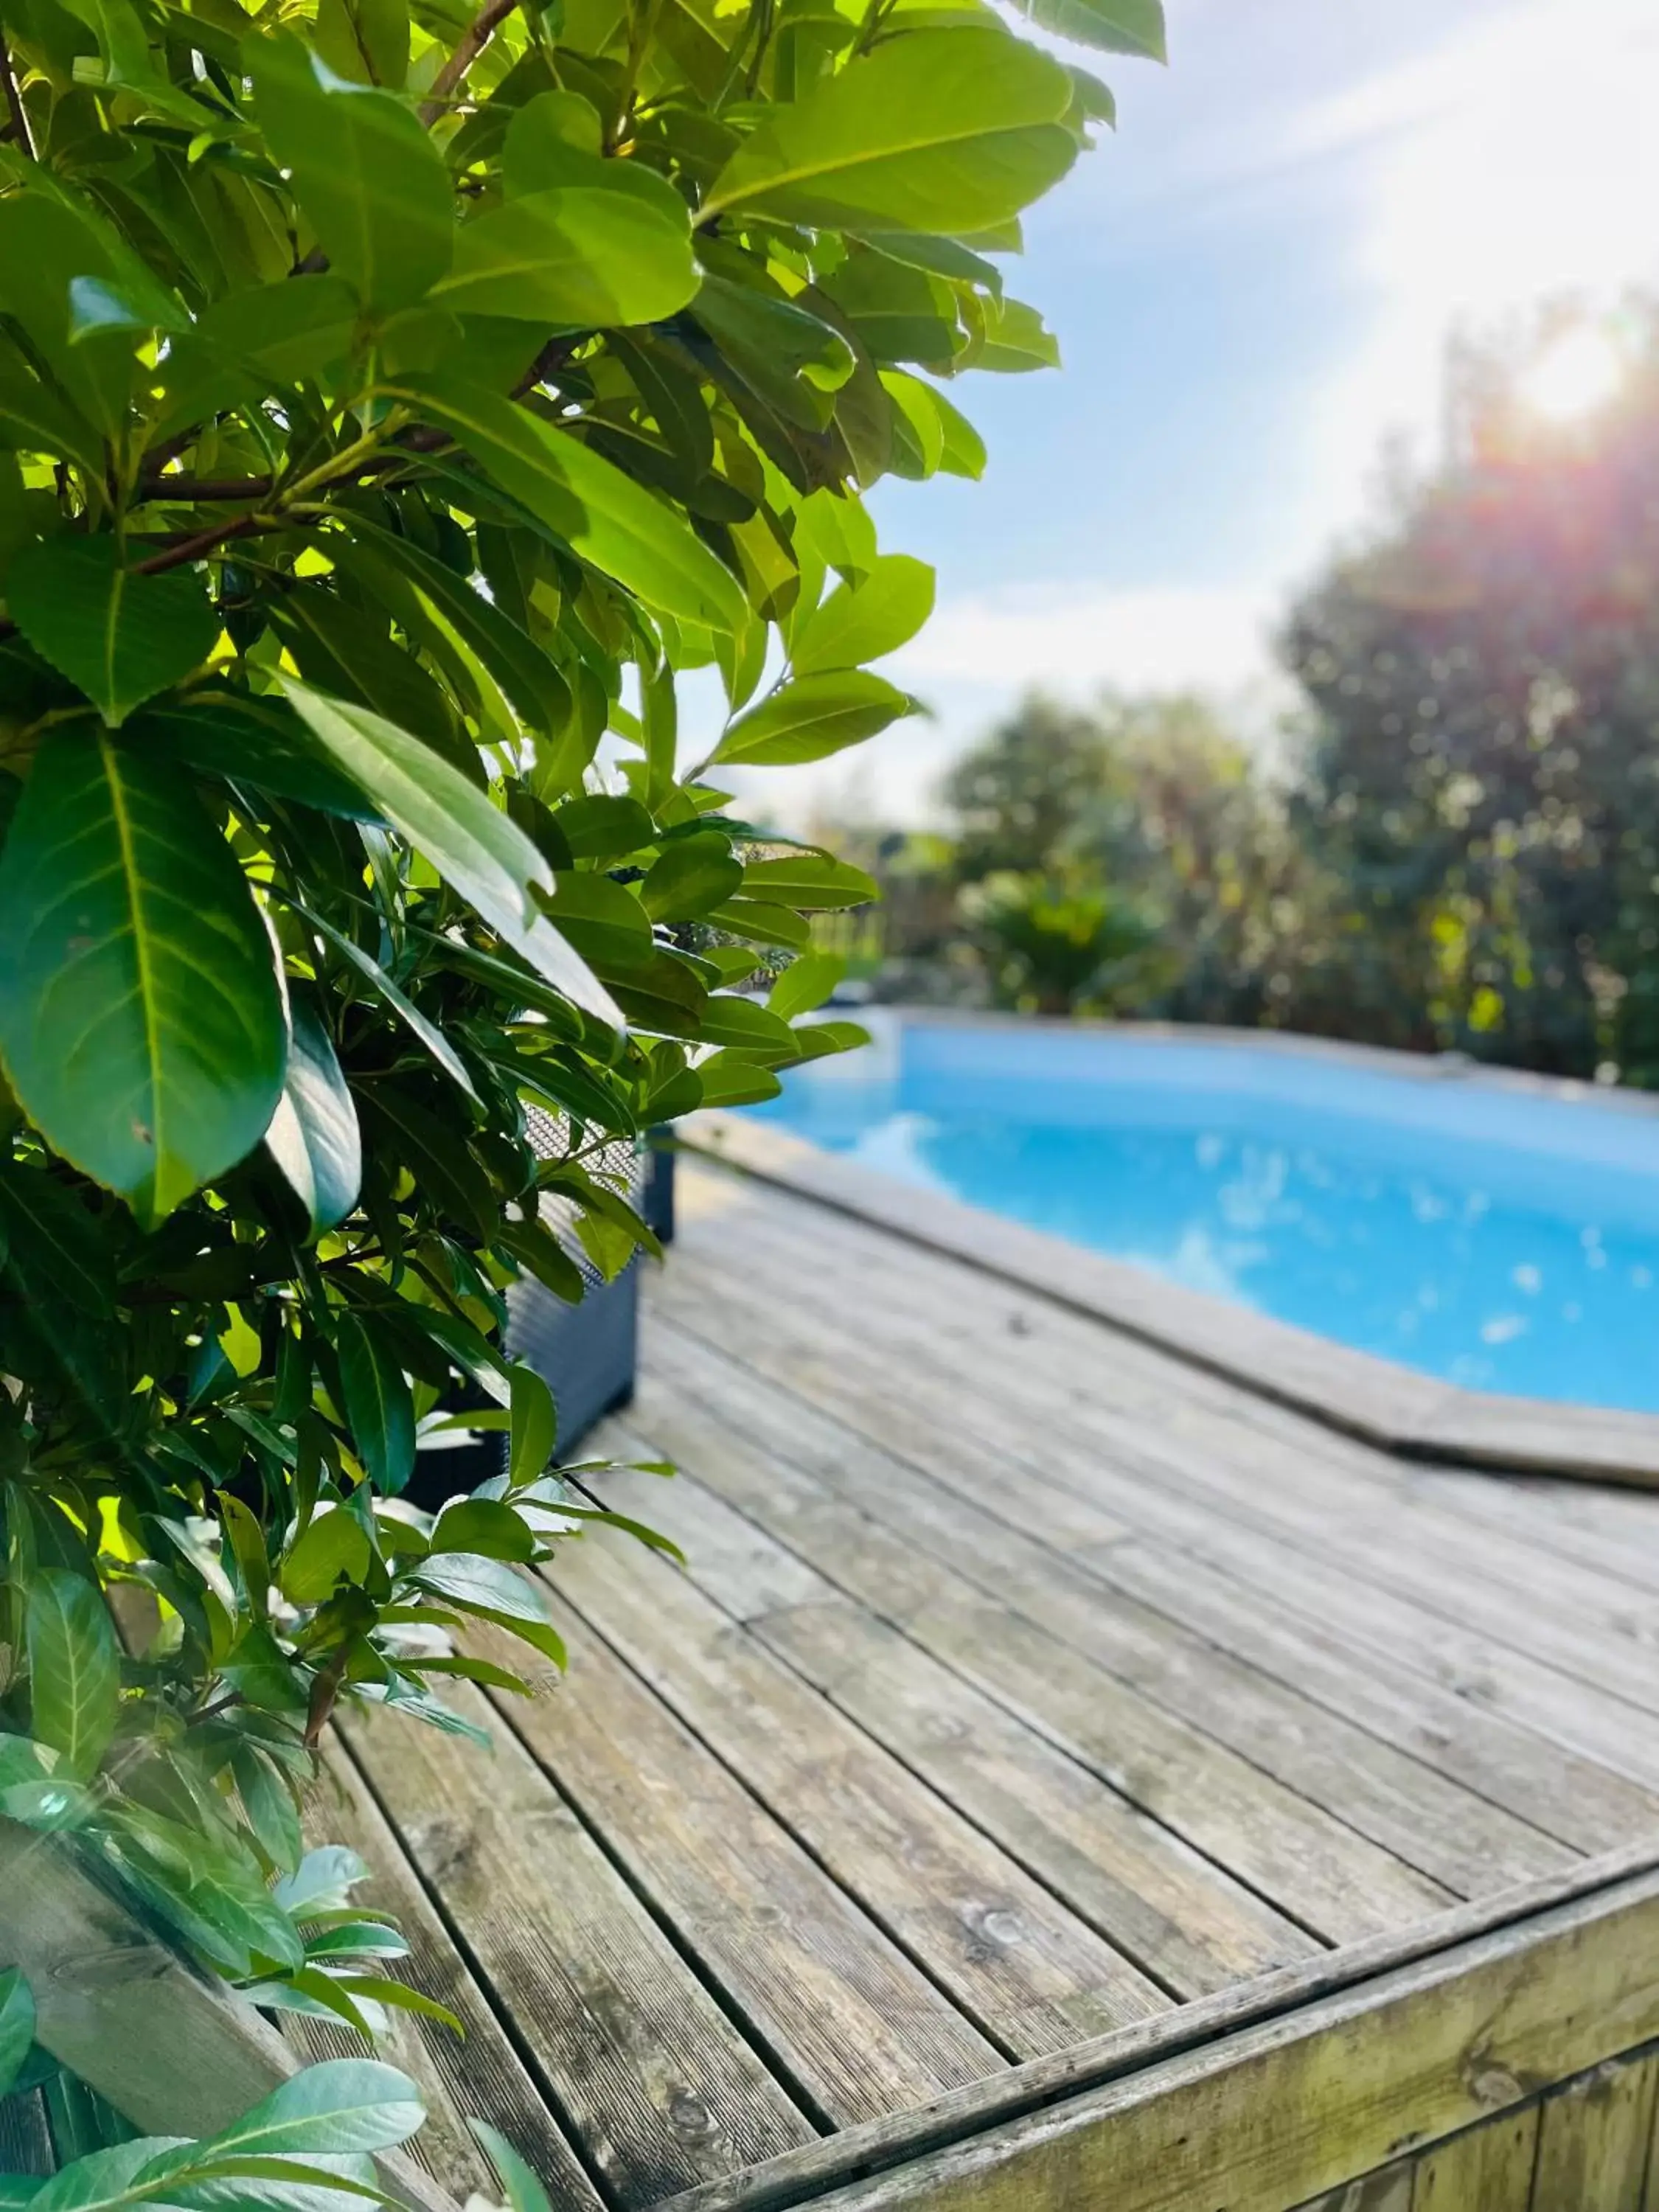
pixel 394 403
pixel 1456 845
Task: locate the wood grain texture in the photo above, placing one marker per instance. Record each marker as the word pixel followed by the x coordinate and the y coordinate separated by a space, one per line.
pixel 1185 1919
pixel 1313 1866
pixel 838 2007
pixel 1350 1391
pixel 1030 1974
pixel 1389 2190
pixel 803 2175
pixel 1486 2169
pixel 1191 1439
pixel 1593 2141
pixel 1300 2107
pixel 638 2059
pixel 1046 1368
pixel 1258 1485
pixel 476 2075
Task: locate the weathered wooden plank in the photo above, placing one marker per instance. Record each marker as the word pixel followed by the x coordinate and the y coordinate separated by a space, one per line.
pixel 1030 1974
pixel 1564 1515
pixel 1482 1673
pixel 642 2064
pixel 1577 1801
pixel 1280 2113
pixel 1351 1390
pixel 973 1445
pixel 1594 2138
pixel 1367 1395
pixel 803 2175
pixel 1285 1844
pixel 1485 2169
pixel 1388 2190
pixel 1059 1361
pixel 1187 1921
pixel 907 1369
pixel 1035 1346
pixel 1466 1662
pixel 837 2005
pixel 478 2076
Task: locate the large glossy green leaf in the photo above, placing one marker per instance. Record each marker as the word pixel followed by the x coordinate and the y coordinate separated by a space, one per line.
pixel 805 984
pixel 1014 341
pixel 947 131
pixel 860 621
pixel 365 173
pixel 692 875
pixel 332 1546
pixel 121 637
pixel 34 420
pixel 474 847
pixel 494 1591
pixel 812 718
pixel 379 1407
pixel 100 2178
pixel 535 1426
pixel 583 255
pixel 275 333
pixel 793 358
pixel 59 1280
pixel 942 436
pixel 260 744
pixel 74 1667
pixel 1116 26
pixel 603 920
pixel 745 1023
pixel 600 514
pixel 732 1078
pixel 341 2106
pixel 314 1136
pixel 16 2026
pixel 813 882
pixel 367 41
pixel 524 2192
pixel 142 1021
pixel 56 250
pixel 539 694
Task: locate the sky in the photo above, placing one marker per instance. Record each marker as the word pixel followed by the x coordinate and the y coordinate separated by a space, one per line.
pixel 1252 281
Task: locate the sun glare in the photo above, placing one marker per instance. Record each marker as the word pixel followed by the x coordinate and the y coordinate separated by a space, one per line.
pixel 1575 374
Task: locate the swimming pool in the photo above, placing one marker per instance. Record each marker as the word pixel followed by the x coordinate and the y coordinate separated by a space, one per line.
pixel 1501 1236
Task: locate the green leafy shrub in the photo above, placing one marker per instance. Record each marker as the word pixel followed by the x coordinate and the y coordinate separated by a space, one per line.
pixel 1056 943
pixel 393 406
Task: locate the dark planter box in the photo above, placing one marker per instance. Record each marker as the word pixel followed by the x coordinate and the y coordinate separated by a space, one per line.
pixel 587 1354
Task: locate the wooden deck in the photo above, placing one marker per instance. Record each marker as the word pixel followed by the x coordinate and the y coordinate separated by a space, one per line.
pixel 1038 1718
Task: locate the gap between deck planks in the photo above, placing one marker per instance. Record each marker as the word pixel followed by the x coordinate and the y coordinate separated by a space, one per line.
pixel 1345 1534
pixel 1020 1713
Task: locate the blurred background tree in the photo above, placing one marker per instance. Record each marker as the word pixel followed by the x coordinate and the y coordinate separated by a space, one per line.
pixel 1456 845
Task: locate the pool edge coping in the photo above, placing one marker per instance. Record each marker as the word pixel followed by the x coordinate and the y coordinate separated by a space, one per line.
pixel 1375 1400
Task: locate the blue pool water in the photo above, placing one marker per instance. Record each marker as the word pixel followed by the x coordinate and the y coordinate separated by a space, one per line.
pixel 1494 1237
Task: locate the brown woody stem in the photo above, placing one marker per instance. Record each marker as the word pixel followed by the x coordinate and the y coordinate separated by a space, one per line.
pixel 483 27
pixel 193 549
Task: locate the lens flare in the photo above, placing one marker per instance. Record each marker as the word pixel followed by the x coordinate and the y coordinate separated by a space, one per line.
pixel 1575 375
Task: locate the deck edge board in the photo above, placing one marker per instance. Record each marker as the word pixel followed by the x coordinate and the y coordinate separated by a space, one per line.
pixel 1040 2086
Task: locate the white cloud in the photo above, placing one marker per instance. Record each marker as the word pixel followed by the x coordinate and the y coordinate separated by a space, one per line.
pixel 981 652
pixel 1073 638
